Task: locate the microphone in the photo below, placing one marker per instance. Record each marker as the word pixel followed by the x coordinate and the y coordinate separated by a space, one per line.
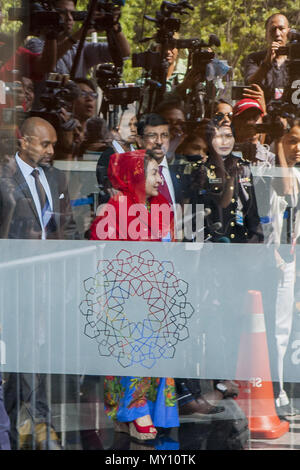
pixel 214 40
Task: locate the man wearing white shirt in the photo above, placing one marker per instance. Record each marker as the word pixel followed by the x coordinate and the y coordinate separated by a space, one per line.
pixel 20 207
pixel 153 134
pixel 34 204
pixel 30 180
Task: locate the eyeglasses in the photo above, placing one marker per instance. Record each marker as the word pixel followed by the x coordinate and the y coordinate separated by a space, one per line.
pixel 155 137
pixel 92 94
pixel 222 115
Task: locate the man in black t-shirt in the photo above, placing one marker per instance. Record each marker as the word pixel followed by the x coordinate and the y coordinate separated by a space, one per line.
pixel 266 68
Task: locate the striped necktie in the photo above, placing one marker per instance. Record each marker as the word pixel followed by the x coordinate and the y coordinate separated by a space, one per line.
pixel 45 205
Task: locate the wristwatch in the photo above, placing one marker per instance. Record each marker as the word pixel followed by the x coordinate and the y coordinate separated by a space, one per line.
pixel 222 388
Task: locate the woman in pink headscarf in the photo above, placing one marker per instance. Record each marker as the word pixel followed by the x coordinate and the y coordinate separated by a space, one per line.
pixel 137 404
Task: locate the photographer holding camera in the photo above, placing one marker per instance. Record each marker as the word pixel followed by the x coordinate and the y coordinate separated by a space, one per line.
pixel 16 57
pixel 266 68
pixel 247 114
pixel 68 42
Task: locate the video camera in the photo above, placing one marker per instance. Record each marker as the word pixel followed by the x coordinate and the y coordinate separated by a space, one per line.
pixel 41 16
pixel 292 51
pixel 108 78
pixel 150 59
pixel 272 124
pixel 155 62
pixel 107 8
pixel 58 94
pixel 38 17
pixel 166 25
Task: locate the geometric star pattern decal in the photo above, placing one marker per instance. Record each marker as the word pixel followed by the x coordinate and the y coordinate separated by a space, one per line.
pixel 163 319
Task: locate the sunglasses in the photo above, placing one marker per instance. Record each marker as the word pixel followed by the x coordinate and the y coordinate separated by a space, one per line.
pixel 222 115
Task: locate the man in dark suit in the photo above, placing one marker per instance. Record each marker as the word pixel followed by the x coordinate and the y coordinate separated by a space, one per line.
pixel 34 204
pixel 21 180
pixel 153 135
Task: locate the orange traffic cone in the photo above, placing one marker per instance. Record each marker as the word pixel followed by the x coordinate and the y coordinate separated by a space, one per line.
pixel 256 396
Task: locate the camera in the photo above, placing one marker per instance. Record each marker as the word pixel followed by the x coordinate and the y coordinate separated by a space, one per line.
pixel 199 56
pixel 272 127
pixel 237 92
pixel 38 16
pixel 107 7
pixel 292 51
pixel 155 63
pixel 108 78
pixel 58 94
pixel 148 60
pixel 272 124
pixel 123 95
pixel 167 25
pixel 200 59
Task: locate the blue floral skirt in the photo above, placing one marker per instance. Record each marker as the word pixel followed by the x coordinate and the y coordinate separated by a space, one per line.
pixel 129 398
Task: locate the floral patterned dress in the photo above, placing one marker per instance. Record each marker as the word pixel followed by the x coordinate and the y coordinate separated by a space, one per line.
pixel 129 398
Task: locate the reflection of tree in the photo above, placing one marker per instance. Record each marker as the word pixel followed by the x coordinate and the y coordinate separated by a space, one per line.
pixel 239 25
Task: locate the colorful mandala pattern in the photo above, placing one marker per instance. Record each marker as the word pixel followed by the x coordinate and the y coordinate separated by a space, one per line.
pixel 165 313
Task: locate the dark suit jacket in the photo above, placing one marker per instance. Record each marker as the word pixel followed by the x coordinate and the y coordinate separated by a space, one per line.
pixel 179 181
pixel 18 214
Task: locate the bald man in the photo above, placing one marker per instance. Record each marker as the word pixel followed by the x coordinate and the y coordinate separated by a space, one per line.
pixel 34 204
pixel 34 200
pixel 266 68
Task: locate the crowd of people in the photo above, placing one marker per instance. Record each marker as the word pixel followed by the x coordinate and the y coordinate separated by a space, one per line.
pixel 157 159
